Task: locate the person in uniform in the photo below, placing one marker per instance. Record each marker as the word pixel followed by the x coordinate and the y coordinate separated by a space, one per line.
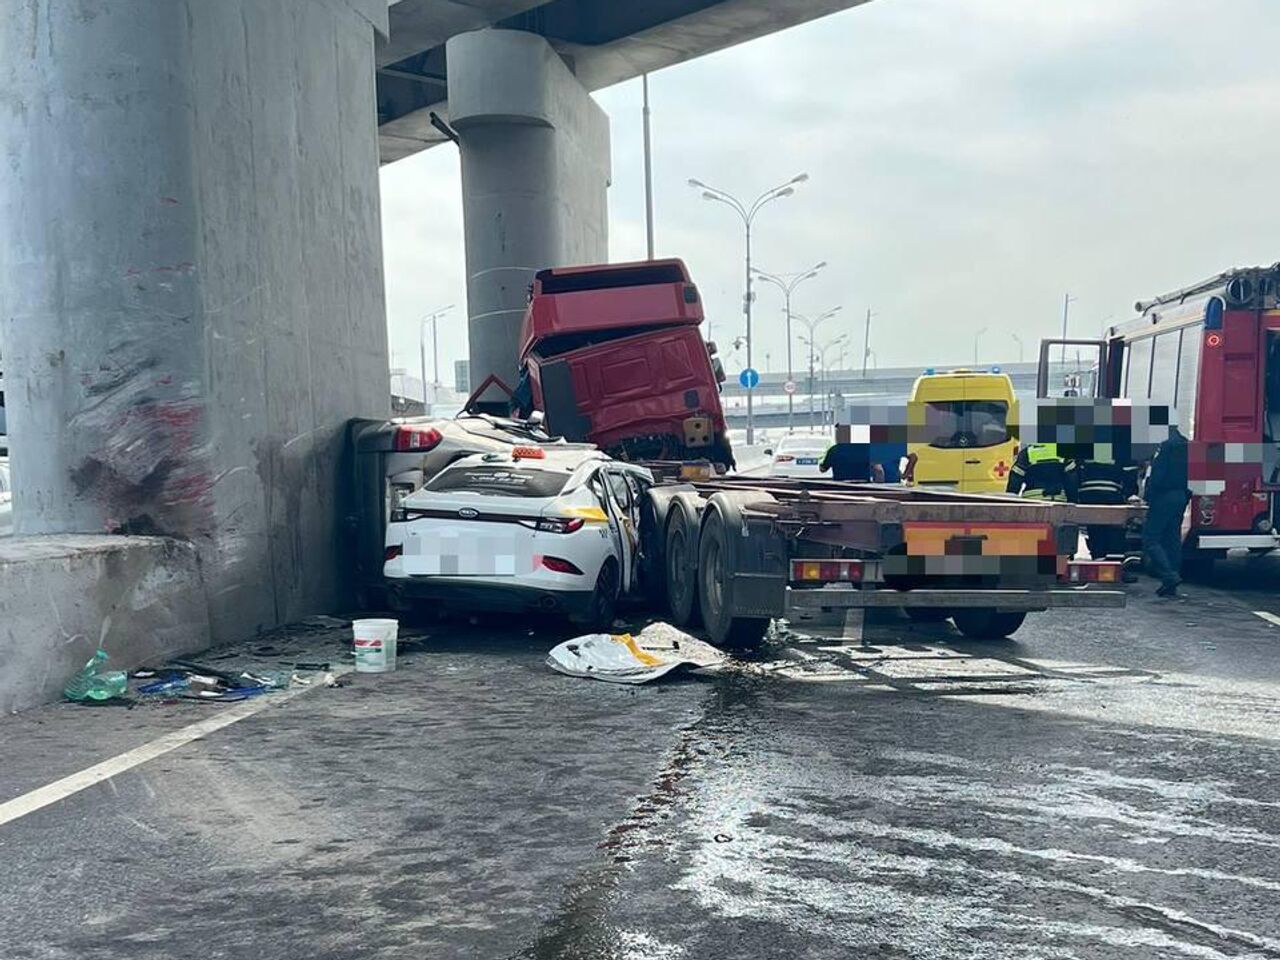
pixel 1167 497
pixel 1038 473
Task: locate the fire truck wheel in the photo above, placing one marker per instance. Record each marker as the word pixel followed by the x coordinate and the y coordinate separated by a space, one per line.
pixel 715 571
pixel 682 579
pixel 983 623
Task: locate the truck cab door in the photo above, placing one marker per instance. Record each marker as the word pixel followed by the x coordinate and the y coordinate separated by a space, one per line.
pixel 1085 378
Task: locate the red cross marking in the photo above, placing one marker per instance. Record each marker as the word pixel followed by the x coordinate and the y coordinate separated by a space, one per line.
pixel 1000 469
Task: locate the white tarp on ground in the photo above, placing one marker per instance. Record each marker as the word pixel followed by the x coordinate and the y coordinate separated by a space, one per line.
pixel 621 658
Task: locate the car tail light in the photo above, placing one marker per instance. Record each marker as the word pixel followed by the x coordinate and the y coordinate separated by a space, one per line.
pixel 784 458
pixel 528 453
pixel 557 524
pixel 827 571
pixel 393 551
pixel 1094 571
pixel 417 438
pixel 559 565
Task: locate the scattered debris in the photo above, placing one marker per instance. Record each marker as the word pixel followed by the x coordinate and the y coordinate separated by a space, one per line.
pixel 655 652
pixel 94 683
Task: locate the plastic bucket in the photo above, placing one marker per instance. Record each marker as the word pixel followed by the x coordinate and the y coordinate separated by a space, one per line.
pixel 375 645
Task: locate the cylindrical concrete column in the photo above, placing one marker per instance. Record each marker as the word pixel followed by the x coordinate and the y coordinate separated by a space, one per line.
pixel 535 171
pixel 98 253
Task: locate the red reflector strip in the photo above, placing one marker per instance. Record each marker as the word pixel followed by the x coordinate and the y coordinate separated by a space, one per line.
pixel 558 565
pixel 827 571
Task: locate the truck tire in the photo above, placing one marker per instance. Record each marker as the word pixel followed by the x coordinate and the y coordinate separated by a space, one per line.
pixel 655 508
pixel 679 559
pixel 715 571
pixel 985 623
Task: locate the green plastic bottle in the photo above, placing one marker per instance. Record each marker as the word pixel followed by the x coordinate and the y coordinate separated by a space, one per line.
pixel 93 683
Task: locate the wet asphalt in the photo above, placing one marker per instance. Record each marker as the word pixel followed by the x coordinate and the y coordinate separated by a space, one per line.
pixel 1104 785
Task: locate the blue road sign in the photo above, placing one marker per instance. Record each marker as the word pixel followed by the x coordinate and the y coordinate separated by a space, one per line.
pixel 749 378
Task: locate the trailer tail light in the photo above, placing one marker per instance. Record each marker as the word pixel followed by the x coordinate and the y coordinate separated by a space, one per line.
pixel 1094 571
pixel 528 453
pixel 393 551
pixel 827 571
pixel 559 565
pixel 417 438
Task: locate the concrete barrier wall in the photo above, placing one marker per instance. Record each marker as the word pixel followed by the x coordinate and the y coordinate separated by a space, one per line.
pixel 142 598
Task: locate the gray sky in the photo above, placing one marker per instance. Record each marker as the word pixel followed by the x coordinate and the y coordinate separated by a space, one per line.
pixel 969 162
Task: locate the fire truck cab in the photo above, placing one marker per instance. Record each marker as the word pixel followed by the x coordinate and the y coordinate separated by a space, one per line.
pixel 1212 353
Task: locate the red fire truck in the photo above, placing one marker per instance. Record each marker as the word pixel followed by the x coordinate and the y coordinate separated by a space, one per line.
pixel 613 355
pixel 1212 353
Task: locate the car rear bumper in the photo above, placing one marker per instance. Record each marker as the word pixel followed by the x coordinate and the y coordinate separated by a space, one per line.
pixel 470 596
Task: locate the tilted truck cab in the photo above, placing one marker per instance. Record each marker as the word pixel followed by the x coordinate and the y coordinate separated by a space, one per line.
pixel 613 356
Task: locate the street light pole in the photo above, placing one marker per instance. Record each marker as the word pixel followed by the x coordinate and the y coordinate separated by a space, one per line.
pixel 1066 307
pixel 787 283
pixel 648 170
pixel 866 344
pixel 748 215
pixel 812 325
pixel 976 337
pixel 430 318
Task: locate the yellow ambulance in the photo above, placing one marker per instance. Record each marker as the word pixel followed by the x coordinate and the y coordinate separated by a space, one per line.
pixel 959 430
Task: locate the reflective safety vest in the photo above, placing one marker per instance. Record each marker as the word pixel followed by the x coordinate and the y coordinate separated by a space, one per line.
pixel 1039 473
pixel 1101 481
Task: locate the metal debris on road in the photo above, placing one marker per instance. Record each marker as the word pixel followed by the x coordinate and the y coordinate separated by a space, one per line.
pixel 656 651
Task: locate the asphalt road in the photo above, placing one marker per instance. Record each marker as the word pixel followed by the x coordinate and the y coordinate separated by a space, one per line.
pixel 1106 785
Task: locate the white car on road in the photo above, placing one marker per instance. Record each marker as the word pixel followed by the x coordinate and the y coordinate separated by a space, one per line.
pixel 798 455
pixel 535 528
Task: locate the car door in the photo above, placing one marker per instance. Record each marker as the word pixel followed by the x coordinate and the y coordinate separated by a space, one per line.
pixel 622 504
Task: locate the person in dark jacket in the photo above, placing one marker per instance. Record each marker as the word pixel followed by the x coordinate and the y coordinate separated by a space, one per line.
pixel 1038 473
pixel 1167 497
pixel 1102 481
pixel 850 461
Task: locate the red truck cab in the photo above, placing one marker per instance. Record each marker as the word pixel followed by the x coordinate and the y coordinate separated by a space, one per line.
pixel 613 356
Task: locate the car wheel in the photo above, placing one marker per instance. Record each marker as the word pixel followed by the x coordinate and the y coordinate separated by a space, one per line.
pixel 983 623
pixel 604 599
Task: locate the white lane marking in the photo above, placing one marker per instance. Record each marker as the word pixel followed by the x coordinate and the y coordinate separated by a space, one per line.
pixel 51 793
pixel 1271 618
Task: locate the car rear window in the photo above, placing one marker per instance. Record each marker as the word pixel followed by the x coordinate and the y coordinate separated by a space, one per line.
pixel 500 480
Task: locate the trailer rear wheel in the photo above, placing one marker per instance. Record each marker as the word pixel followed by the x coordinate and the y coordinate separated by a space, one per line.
pixel 984 623
pixel 681 576
pixel 715 572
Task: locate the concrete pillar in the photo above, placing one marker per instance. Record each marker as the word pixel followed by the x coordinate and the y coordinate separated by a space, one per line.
pixel 535 174
pixel 191 299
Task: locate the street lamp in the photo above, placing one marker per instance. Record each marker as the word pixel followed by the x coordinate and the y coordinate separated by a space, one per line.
pixel 787 283
pixel 1067 300
pixel 976 337
pixel 430 318
pixel 812 325
pixel 748 215
pixel 1018 340
pixel 820 351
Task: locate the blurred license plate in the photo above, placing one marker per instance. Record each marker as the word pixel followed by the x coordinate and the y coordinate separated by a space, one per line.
pixel 807 461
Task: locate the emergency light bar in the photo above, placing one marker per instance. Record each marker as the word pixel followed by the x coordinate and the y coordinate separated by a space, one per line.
pixel 528 453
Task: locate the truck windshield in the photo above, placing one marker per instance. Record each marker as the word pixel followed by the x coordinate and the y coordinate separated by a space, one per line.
pixel 502 481
pixel 955 424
